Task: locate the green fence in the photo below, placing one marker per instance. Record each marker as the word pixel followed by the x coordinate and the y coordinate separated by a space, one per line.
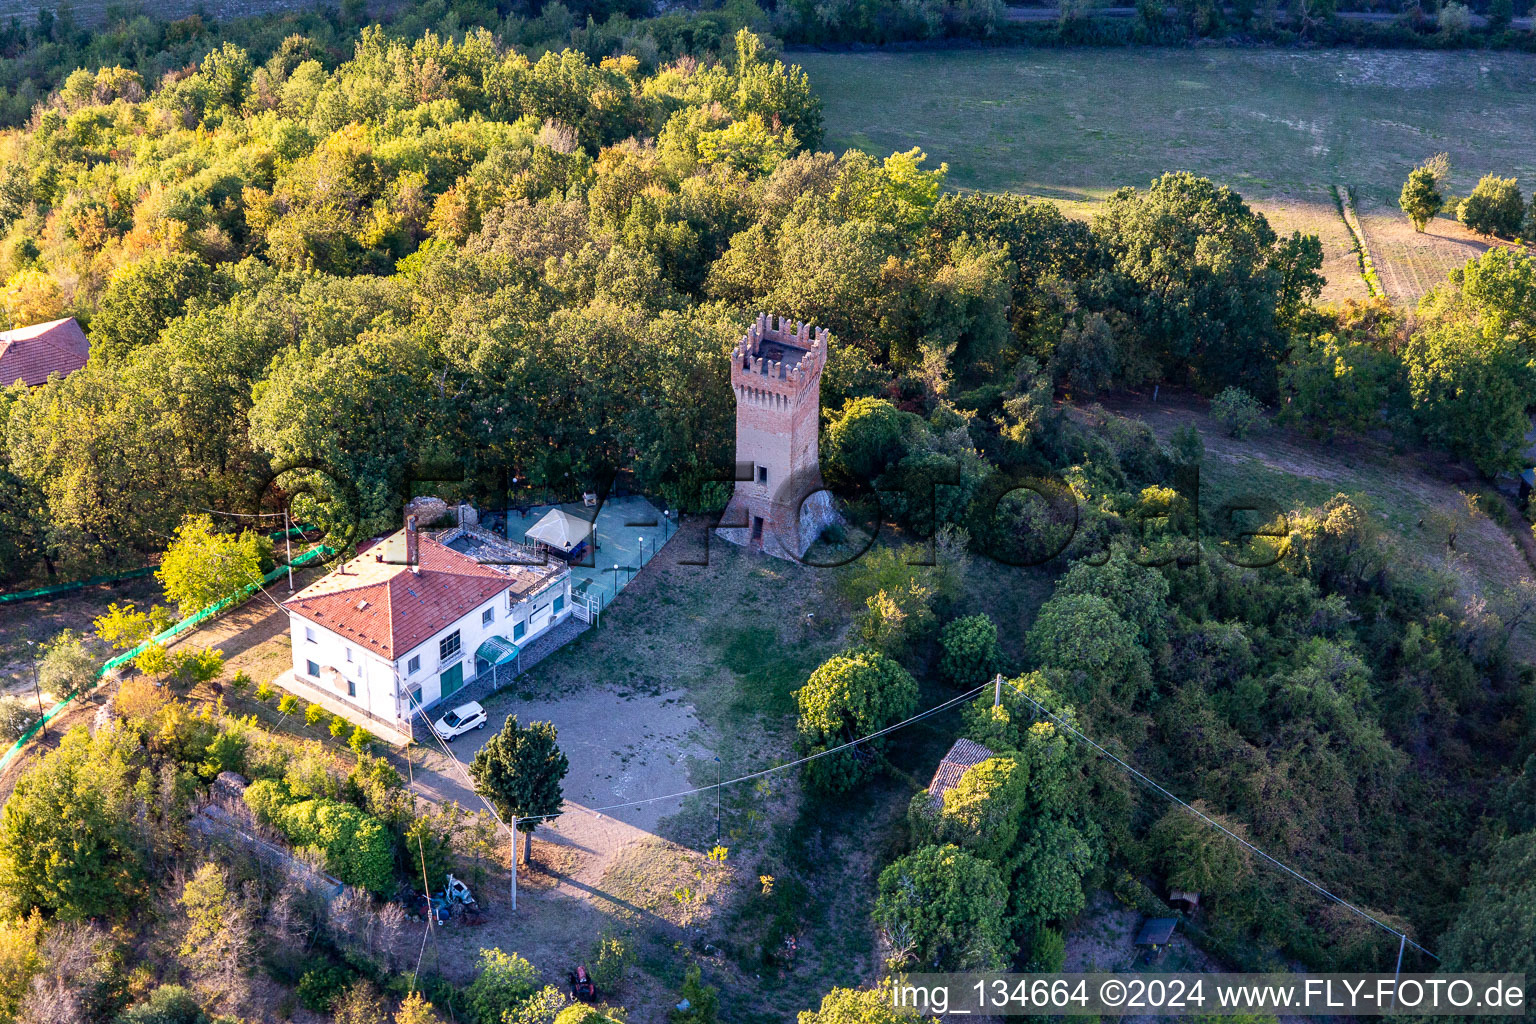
pixel 319 554
pixel 65 588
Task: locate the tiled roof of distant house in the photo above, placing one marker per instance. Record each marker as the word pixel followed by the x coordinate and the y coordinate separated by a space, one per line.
pixel 376 600
pixel 964 754
pixel 30 354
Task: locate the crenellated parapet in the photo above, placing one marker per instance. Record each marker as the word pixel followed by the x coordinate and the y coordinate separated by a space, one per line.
pixel 778 360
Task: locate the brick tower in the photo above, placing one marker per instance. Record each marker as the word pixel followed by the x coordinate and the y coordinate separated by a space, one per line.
pixel 778 506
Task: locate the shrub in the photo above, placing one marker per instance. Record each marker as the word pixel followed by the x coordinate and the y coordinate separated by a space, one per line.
pixel 505 980
pixel 241 682
pixel 315 715
pixel 16 717
pixel 893 621
pixel 265 797
pixel 1237 410
pixel 361 740
pixel 702 1001
pixel 339 727
pixel 264 692
pixel 610 960
pixel 288 705
pixel 139 699
pixel 67 666
pixel 356 847
pixel 168 1004
pixel 1047 951
pixel 320 987
pixel 970 655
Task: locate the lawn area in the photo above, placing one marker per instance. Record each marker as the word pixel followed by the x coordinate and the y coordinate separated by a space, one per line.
pixel 1279 126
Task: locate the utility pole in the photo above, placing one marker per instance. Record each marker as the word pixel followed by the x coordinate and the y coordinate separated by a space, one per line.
pixel 997 690
pixel 38 690
pixel 512 839
pixel 717 801
pixel 288 545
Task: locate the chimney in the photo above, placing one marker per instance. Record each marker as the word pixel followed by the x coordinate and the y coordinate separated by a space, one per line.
pixel 410 543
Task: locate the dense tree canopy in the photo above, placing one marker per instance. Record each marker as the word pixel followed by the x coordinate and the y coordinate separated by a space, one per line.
pixel 1213 287
pixel 65 841
pixel 942 909
pixel 849 697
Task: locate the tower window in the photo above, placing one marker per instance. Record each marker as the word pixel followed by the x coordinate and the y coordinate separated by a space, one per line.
pixel 762 474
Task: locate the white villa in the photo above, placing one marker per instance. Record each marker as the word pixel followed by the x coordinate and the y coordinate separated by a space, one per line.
pixel 414 617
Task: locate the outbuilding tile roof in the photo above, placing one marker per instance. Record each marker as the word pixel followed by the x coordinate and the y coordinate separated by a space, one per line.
pixel 379 602
pixel 964 754
pixel 30 354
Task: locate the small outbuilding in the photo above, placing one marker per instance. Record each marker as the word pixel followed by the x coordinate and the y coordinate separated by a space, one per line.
pixel 964 755
pixel 1156 932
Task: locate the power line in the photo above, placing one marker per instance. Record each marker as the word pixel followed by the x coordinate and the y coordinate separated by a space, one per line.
pixel 778 767
pixel 728 782
pixel 244 515
pixel 1216 824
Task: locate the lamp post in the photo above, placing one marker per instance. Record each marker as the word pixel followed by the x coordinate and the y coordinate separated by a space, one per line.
pixel 642 549
pixel 37 690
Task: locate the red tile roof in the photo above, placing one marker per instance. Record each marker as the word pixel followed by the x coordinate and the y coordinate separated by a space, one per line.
pixel 30 354
pixel 387 608
pixel 964 755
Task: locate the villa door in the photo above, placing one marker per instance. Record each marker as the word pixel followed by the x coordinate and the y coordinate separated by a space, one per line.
pixel 451 680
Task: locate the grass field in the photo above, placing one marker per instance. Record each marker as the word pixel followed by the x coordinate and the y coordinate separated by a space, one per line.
pixel 1280 126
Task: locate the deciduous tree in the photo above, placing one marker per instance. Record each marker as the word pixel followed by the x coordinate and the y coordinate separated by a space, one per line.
pixel 1495 206
pixel 850 696
pixel 202 566
pixel 942 909
pixel 1421 199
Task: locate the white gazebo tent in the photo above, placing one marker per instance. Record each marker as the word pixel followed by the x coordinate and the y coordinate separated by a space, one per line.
pixel 559 531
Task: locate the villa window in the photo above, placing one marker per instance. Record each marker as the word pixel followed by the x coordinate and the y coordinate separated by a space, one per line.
pixel 309 633
pixel 351 688
pixel 448 646
pixel 488 616
pixel 312 669
pixel 413 666
pixel 349 652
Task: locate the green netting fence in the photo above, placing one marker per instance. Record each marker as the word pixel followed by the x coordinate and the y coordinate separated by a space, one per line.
pixel 319 554
pixel 55 589
pixel 65 588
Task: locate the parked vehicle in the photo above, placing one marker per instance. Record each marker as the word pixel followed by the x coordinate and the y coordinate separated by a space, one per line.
pixel 460 720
